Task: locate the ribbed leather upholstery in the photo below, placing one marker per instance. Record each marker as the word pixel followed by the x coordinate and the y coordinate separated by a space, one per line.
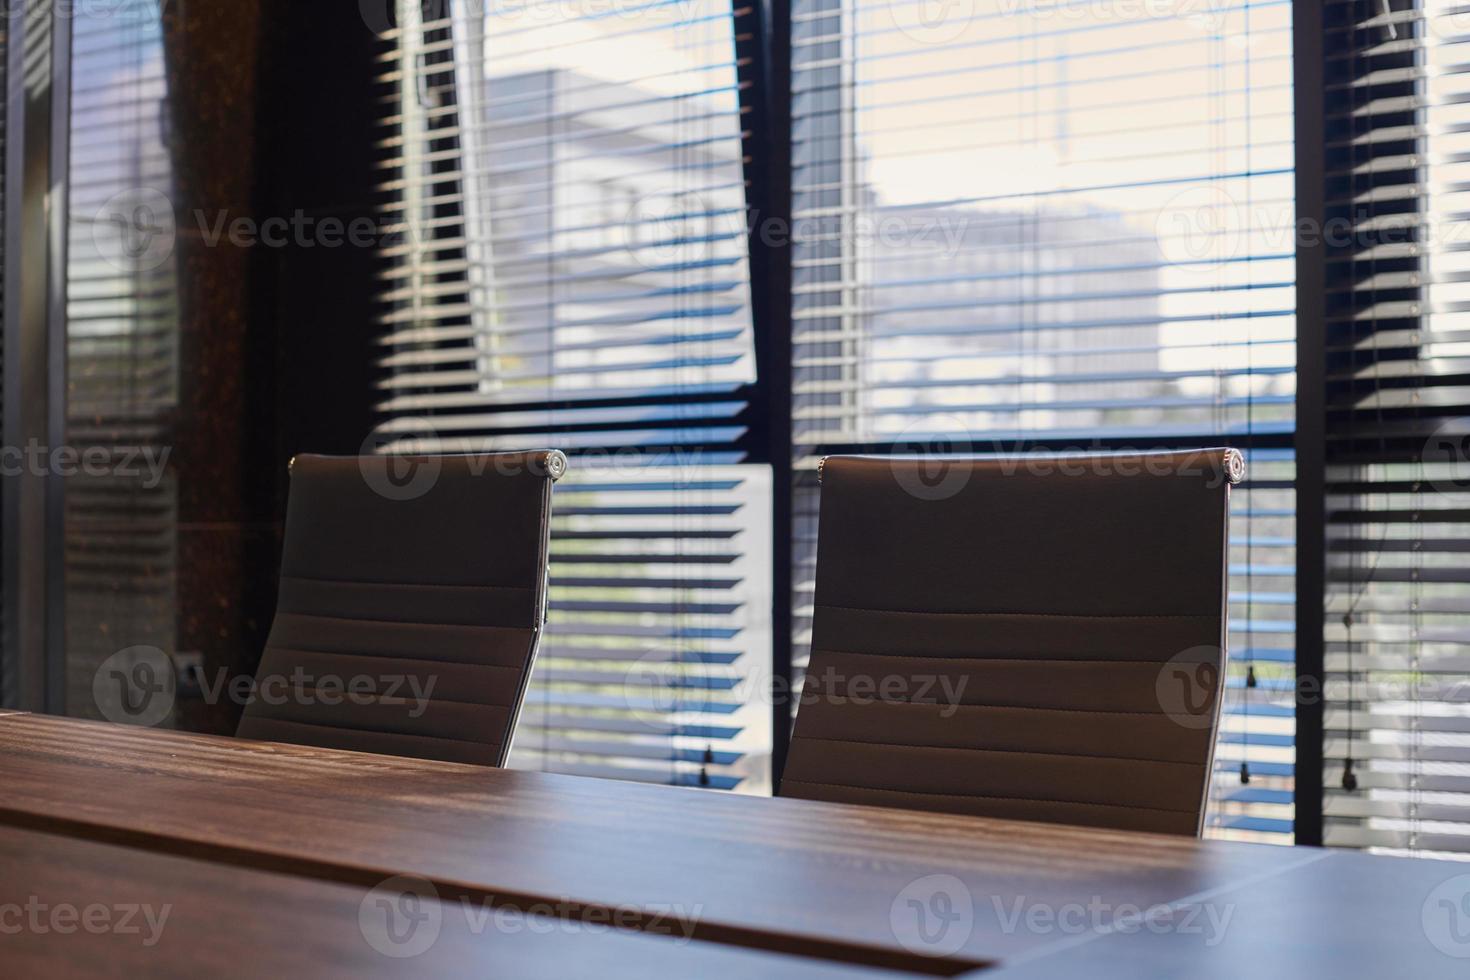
pixel 443 588
pixel 1052 598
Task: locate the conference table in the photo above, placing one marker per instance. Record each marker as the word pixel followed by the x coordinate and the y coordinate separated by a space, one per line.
pixel 252 858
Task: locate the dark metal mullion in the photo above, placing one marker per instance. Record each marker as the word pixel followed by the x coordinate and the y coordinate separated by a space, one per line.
pixel 765 32
pixel 1041 443
pixel 57 216
pixel 734 394
pixel 1311 417
pixel 21 672
pixel 34 381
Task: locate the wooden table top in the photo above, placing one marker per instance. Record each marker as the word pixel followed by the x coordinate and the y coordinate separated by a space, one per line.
pixel 921 892
pixel 1347 915
pixel 74 907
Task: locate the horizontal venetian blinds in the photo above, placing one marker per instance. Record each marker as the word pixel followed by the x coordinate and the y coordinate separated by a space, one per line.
pixel 1397 636
pixel 122 341
pixel 566 192
pixel 571 196
pixel 657 653
pixel 1077 224
pixel 1255 756
pixel 1069 225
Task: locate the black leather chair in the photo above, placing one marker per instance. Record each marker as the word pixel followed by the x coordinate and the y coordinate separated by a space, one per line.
pixel 413 591
pixel 1024 637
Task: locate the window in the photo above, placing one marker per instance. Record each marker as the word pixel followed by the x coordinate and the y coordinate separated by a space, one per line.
pixel 1041 225
pixel 1396 443
pixel 573 272
pixel 122 330
pixel 1061 225
pixel 1049 225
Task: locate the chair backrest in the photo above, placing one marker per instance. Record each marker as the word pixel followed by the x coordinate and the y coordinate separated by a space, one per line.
pixel 1038 638
pixel 413 591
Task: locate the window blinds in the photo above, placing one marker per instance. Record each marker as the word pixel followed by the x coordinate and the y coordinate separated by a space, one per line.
pixel 122 327
pixel 1397 681
pixel 1066 225
pixel 564 193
